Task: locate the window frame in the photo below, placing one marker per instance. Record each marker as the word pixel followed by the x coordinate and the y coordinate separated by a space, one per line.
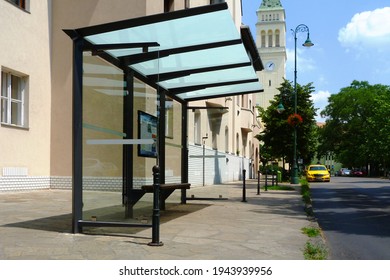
pixel 10 103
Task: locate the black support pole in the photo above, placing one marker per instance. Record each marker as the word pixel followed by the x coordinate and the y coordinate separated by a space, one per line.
pixel 77 168
pixel 161 137
pixel 156 208
pixel 128 122
pixel 243 186
pixel 258 182
pixel 184 150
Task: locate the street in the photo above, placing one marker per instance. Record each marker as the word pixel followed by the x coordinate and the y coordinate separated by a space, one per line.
pixel 354 214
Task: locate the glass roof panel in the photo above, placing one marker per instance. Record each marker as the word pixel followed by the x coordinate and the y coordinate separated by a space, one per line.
pixel 193 60
pixel 220 76
pixel 174 33
pixel 197 47
pixel 223 90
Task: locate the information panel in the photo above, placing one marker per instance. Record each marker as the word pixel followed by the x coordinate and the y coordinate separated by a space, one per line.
pixel 147 129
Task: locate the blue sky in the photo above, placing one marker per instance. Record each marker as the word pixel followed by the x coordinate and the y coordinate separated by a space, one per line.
pixel 351 37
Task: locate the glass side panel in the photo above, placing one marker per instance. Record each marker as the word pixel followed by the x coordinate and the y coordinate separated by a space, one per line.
pixel 144 157
pixel 103 90
pixel 173 126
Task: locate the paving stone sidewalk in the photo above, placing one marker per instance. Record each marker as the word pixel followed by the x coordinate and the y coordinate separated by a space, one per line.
pixel 214 225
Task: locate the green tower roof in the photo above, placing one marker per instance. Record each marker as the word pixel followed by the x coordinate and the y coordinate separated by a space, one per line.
pixel 270 4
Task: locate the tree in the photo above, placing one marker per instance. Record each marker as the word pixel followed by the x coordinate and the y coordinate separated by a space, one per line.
pixel 277 135
pixel 357 125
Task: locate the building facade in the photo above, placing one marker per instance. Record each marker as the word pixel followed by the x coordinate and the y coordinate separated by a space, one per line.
pixel 36 102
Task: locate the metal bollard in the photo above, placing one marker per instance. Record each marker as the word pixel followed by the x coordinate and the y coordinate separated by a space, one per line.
pixel 243 186
pixel 258 182
pixel 266 180
pixel 156 208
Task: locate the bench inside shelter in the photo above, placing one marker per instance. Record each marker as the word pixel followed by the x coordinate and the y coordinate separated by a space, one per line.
pixel 165 191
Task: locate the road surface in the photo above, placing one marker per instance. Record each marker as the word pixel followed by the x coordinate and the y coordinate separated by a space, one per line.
pixel 354 214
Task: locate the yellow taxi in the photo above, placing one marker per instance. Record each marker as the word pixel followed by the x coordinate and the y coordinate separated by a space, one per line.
pixel 317 173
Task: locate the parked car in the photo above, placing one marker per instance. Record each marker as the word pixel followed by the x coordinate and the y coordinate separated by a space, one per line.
pixel 358 173
pixel 317 173
pixel 344 172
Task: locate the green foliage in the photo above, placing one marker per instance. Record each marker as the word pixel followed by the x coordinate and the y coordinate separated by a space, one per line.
pixel 315 252
pixel 305 191
pixel 311 231
pixel 357 126
pixel 280 188
pixel 277 136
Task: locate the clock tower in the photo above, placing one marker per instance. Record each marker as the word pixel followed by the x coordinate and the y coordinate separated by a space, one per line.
pixel 271 44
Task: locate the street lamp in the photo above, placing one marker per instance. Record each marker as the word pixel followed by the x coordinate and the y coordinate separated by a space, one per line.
pixel 308 43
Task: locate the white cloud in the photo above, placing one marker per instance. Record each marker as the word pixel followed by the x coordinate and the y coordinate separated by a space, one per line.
pixel 320 100
pixel 370 29
pixel 304 63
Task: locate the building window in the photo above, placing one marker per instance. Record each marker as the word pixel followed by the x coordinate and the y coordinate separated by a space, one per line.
pixel 237 144
pixel 186 4
pixel 169 118
pixel 216 1
pixel 13 99
pixel 168 6
pixel 270 39
pixel 244 143
pixel 263 36
pixel 197 128
pixel 226 139
pixel 277 38
pixel 20 3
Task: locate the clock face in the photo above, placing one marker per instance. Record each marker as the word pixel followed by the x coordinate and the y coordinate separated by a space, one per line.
pixel 270 66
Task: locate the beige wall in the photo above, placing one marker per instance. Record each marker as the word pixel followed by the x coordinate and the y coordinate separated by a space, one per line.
pixel 24 44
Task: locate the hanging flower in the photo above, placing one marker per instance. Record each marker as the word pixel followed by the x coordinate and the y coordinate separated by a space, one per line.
pixel 294 119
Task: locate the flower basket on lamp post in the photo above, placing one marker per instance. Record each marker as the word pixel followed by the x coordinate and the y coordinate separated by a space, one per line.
pixel 294 120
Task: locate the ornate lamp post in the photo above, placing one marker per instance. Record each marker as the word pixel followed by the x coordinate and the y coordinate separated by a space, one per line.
pixel 308 43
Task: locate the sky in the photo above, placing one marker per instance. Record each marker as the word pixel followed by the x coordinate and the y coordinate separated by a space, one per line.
pixel 351 42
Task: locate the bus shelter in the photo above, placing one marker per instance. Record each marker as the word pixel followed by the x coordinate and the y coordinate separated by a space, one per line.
pixel 132 84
